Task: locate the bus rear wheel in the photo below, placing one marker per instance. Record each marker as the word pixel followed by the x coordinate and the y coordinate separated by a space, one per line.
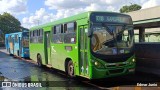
pixel 39 61
pixel 70 69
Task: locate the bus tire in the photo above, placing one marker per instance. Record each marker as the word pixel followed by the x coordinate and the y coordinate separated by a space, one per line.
pixel 70 69
pixel 39 61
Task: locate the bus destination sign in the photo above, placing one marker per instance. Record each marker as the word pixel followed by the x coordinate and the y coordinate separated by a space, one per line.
pixel 118 19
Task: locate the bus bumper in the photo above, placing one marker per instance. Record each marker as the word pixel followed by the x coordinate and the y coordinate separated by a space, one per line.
pixel 26 55
pixel 112 72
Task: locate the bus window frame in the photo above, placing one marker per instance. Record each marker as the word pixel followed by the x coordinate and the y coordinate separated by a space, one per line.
pixel 75 31
pixel 40 35
pixel 16 38
pixel 54 32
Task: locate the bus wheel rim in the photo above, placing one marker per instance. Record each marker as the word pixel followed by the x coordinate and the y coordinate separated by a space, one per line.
pixel 39 61
pixel 71 70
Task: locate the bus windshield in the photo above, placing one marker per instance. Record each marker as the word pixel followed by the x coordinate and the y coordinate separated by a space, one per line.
pixel 111 39
pixel 25 39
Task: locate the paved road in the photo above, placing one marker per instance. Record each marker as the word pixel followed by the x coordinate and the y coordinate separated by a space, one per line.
pixel 14 69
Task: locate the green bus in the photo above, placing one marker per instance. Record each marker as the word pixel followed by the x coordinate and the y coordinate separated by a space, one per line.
pixel 93 45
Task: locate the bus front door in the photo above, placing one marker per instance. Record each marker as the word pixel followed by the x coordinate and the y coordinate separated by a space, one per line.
pixel 83 59
pixel 47 47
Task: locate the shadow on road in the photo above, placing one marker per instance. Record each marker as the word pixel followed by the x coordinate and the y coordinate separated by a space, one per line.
pixel 29 72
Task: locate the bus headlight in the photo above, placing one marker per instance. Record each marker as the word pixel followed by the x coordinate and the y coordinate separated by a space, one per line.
pixel 133 60
pixel 97 64
pixel 25 53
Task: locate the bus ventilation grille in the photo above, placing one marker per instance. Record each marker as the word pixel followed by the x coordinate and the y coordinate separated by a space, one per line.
pixel 116 71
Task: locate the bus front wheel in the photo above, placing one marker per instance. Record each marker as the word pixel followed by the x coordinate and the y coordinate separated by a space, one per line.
pixel 70 69
pixel 39 61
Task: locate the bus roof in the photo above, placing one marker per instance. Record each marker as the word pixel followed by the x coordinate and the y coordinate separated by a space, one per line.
pixel 69 19
pixel 14 33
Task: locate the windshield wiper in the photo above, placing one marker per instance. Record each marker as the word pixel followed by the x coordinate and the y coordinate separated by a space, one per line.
pixel 110 31
pixel 114 34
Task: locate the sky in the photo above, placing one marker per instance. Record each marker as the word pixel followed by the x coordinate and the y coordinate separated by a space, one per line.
pixel 36 12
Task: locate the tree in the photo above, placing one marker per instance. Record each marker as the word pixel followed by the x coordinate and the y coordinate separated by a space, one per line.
pixel 132 7
pixel 9 24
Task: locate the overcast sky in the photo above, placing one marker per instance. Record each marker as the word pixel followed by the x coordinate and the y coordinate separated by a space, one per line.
pixel 32 12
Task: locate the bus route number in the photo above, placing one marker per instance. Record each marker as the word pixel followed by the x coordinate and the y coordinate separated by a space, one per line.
pixel 99 18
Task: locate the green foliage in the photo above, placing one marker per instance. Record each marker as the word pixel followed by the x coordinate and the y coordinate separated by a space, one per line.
pixel 133 7
pixel 9 24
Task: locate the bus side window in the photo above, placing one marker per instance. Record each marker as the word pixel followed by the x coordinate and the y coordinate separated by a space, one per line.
pixel 65 28
pixel 35 36
pixel 57 36
pixel 9 38
pixel 54 30
pixel 16 38
pixel 70 32
pixel 41 32
pixel 61 28
pixel 31 35
pixel 40 37
pixel 37 32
